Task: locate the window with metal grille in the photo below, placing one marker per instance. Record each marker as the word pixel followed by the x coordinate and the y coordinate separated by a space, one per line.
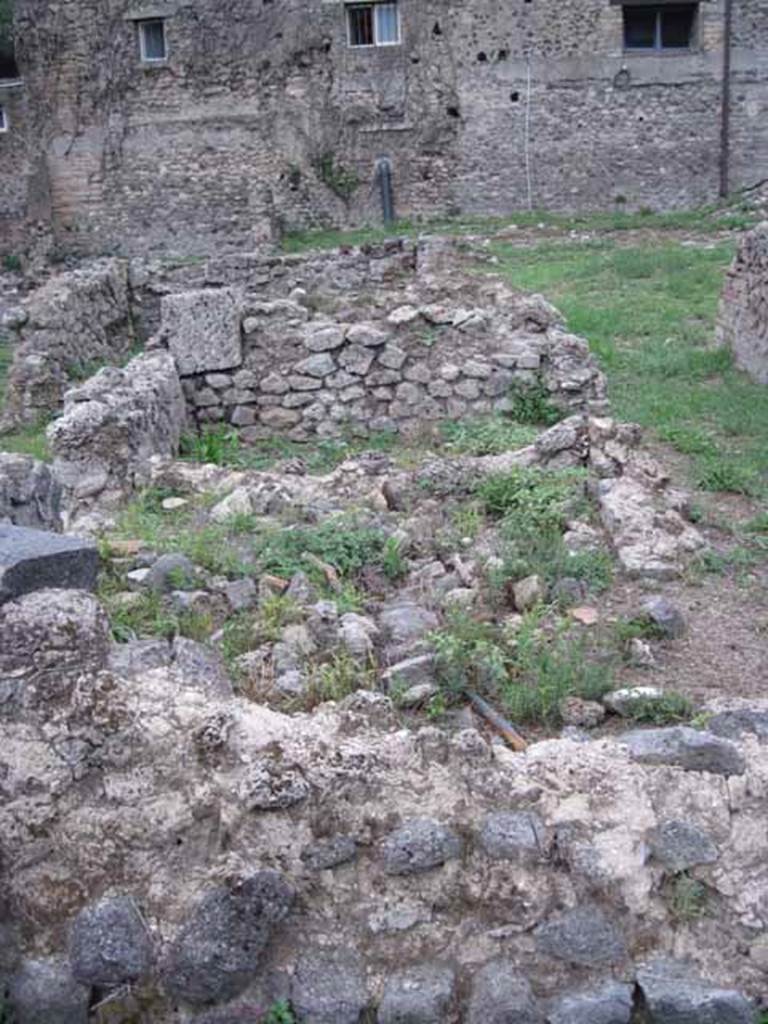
pixel 375 24
pixel 152 42
pixel 667 27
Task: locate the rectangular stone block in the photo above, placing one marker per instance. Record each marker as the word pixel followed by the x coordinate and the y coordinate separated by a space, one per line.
pixel 202 329
pixel 37 560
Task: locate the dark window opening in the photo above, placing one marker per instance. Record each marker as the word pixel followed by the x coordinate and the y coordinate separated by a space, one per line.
pixel 436 30
pixel 659 28
pixel 514 96
pixel 453 112
pixel 8 66
pixel 152 45
pixel 482 57
pixel 376 24
pixel 3 119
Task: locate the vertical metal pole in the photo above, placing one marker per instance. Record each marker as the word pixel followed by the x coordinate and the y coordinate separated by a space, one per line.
pixel 384 179
pixel 725 110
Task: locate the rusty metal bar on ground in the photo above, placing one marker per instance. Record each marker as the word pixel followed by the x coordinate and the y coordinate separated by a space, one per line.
pixel 499 723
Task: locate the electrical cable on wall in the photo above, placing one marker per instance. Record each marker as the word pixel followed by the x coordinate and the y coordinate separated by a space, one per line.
pixel 527 137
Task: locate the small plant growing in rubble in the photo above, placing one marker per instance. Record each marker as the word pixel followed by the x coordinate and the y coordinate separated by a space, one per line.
pixel 532 403
pixel 340 179
pixel 687 897
pixel 279 1013
pixel 219 444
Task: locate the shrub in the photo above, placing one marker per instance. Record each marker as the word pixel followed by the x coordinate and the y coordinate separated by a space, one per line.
pixel 532 404
pixel 470 654
pixel 345 546
pixel 339 677
pixel 530 499
pixel 219 444
pixel 548 669
pixel 530 552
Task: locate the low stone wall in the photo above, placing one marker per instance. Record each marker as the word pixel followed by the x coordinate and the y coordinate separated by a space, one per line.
pixel 242 856
pixel 111 428
pixel 364 345
pixel 743 316
pixel 74 321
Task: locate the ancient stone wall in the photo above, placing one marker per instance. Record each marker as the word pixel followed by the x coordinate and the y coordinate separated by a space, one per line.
pixel 263 116
pixel 743 316
pixel 367 342
pixel 66 329
pixel 359 869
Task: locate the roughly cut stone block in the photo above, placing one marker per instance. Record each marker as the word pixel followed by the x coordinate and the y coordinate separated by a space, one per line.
pixel 583 936
pixel 36 560
pixel 218 948
pixel 685 748
pixel 47 639
pixel 513 835
pixel 678 845
pixel 329 987
pixel 675 994
pixel 45 991
pixel 743 315
pixel 420 995
pixel 110 944
pixel 30 495
pixel 611 1004
pixel 330 853
pixel 203 330
pixel 419 845
pixel 734 723
pixel 500 995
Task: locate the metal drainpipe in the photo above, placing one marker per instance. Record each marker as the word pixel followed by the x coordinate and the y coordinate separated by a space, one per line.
pixel 725 111
pixel 384 179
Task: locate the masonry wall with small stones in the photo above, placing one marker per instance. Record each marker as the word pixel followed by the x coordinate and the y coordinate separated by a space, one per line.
pixel 743 314
pixel 376 358
pixel 262 115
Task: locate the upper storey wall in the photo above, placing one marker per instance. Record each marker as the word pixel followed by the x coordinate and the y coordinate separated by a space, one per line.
pixel 263 112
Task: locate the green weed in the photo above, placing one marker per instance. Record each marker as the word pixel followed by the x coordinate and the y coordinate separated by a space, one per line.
pixel 535 499
pixel 687 898
pixel 549 668
pixel 393 563
pixel 12 263
pixel 489 436
pixel 532 404
pixel 470 654
pixel 340 543
pixel 528 551
pixel 275 613
pixel 339 677
pixel 279 1013
pixel 27 441
pixel 219 444
pixel 668 709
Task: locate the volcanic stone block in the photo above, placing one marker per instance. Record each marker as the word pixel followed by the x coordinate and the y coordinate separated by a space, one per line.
pixel 203 330
pixel 685 748
pixel 110 944
pixel 583 936
pixel 44 990
pixel 220 945
pixel 36 560
pixel 673 992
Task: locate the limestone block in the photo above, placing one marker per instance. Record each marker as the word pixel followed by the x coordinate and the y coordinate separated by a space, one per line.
pixel 202 329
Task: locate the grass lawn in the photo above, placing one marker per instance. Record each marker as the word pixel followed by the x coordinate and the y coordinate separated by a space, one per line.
pixel 649 314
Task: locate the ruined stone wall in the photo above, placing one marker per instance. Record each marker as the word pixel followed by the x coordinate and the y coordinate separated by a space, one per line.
pixel 65 330
pixel 743 315
pixel 483 108
pixel 386 339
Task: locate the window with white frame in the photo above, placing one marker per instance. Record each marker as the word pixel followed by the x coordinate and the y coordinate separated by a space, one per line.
pixel 4 125
pixel 375 24
pixel 153 46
